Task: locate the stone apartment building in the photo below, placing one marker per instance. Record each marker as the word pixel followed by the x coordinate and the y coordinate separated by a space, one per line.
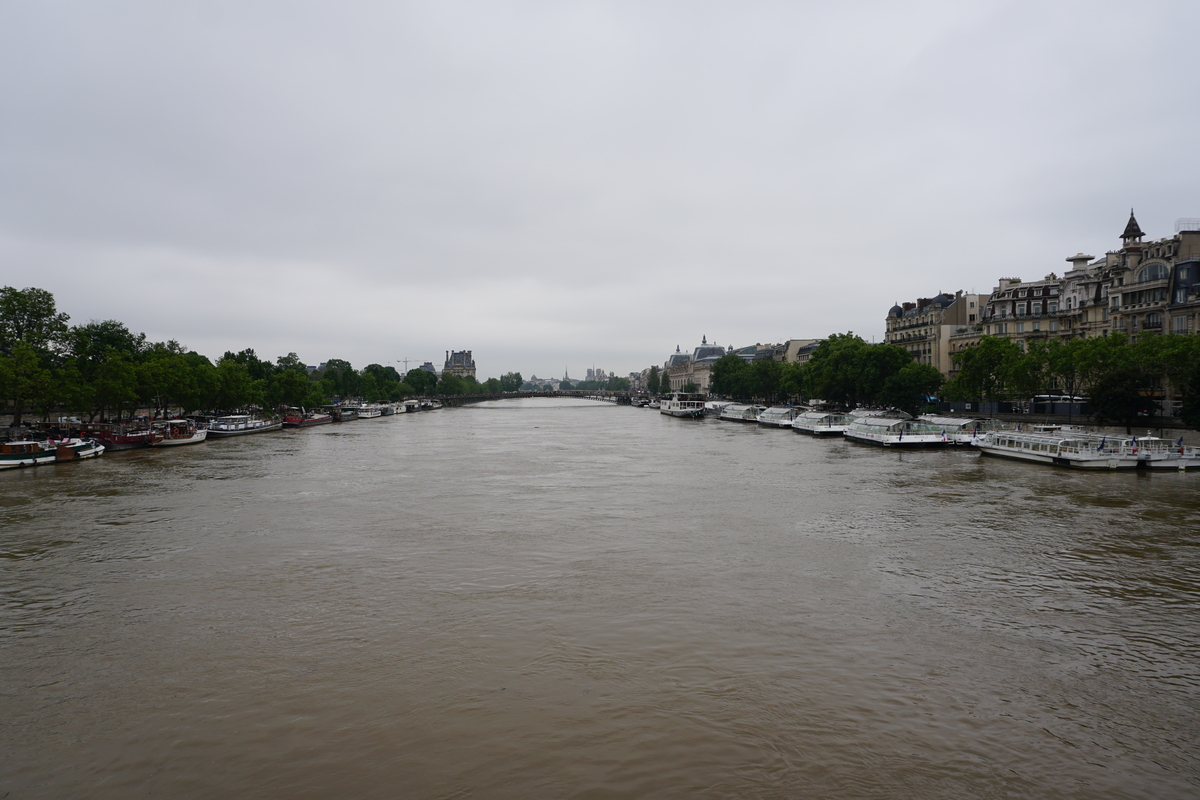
pixel 934 328
pixel 682 368
pixel 1141 287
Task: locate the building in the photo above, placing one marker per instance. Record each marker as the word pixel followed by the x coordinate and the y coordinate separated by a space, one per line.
pixel 460 363
pixel 1143 286
pixel 934 328
pixel 681 368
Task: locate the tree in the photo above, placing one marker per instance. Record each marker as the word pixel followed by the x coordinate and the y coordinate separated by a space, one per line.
pixel 452 385
pixel 422 381
pixel 729 377
pixel 910 388
pixel 564 386
pixel 26 378
pixel 652 381
pixel 689 388
pixel 1121 395
pixel 832 368
pixel 30 316
pixel 984 370
pixel 511 382
pixel 765 379
pixel 616 384
pixel 1189 411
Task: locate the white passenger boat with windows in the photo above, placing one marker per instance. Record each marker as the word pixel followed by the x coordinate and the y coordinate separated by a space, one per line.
pixel 369 411
pixel 821 423
pixel 1162 454
pixel 778 416
pixel 893 431
pixel 739 412
pixel 1061 449
pixel 240 425
pixel 679 404
pixel 964 430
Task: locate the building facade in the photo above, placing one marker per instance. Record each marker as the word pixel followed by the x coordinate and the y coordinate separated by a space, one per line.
pixel 934 328
pixel 460 363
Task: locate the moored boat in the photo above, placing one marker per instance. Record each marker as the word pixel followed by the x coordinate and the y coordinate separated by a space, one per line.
pixel 173 432
pixel 300 418
pixel 31 453
pixel 368 411
pixel 821 423
pixel 1075 450
pixel 892 431
pixel 778 416
pixel 117 435
pixel 689 406
pixel 964 430
pixel 739 412
pixel 240 425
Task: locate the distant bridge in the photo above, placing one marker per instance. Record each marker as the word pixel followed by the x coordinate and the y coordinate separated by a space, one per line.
pixel 620 398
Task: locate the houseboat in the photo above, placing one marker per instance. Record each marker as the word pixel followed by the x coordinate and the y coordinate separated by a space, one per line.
pixel 172 432
pixel 299 418
pixel 241 425
pixel 31 453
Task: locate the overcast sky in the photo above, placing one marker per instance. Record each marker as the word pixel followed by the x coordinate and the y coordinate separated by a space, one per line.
pixel 568 184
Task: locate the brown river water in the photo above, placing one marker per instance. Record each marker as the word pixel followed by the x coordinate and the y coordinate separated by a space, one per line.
pixel 570 599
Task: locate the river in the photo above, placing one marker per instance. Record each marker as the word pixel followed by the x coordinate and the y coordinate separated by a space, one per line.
pixel 571 599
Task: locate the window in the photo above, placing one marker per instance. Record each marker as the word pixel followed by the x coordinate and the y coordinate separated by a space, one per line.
pixel 1154 320
pixel 1053 325
pixel 1020 327
pixel 1051 308
pixel 1037 309
pixel 1181 295
pixel 1179 324
pixel 1152 272
pixel 1020 309
pixel 1037 325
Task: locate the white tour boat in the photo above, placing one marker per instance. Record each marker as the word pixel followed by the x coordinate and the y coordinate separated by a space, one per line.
pixel 964 430
pixel 821 423
pixel 1077 450
pixel 679 404
pixel 779 416
pixel 738 412
pixel 891 431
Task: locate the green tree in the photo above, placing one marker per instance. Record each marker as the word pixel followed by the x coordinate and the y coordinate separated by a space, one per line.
pixel 984 370
pixel 832 368
pixel 689 388
pixel 29 316
pixel 564 386
pixel 616 384
pixel 494 386
pixel 652 380
pixel 511 382
pixel 422 381
pixel 234 386
pixel 1121 395
pixel 911 386
pixel 451 385
pixel 730 376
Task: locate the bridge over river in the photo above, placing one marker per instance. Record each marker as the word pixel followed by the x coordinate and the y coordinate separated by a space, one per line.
pixel 624 398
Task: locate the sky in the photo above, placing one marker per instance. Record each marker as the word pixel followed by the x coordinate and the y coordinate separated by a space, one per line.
pixel 561 185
